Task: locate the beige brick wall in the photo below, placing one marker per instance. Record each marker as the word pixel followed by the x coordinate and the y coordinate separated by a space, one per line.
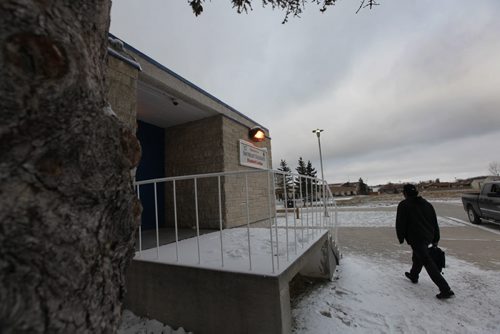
pixel 208 146
pixel 194 148
pixel 122 90
pixel 235 186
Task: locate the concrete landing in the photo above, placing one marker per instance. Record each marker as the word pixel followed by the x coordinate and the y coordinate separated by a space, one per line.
pixel 206 298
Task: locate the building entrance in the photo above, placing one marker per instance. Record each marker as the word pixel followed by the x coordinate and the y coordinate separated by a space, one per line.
pixel 152 165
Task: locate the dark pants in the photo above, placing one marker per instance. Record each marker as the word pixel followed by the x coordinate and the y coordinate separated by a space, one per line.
pixel 421 258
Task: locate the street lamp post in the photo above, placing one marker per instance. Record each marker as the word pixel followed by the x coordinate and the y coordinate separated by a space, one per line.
pixel 318 133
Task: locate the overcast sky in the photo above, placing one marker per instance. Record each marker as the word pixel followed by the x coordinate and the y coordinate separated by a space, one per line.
pixel 408 91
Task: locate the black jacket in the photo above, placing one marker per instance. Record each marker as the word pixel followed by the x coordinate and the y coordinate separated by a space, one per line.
pixel 416 221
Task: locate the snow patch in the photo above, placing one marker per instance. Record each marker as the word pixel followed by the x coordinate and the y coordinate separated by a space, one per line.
pixel 353 219
pixel 108 111
pixel 132 324
pixel 371 295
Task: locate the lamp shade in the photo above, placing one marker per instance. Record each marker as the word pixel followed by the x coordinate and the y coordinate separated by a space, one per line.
pixel 256 134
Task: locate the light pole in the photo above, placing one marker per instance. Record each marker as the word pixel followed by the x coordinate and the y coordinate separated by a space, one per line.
pixel 318 133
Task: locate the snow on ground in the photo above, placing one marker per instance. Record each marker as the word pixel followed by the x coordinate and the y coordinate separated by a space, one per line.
pixel 356 219
pixel 377 219
pixel 370 205
pixel 392 203
pixel 457 201
pixel 371 295
pixel 132 324
pixel 237 255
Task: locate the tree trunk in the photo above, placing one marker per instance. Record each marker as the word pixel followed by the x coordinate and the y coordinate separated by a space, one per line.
pixel 68 213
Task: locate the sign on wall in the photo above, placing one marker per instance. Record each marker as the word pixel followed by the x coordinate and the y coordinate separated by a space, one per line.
pixel 252 156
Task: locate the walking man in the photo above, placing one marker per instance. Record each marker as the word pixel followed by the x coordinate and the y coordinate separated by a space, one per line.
pixel 416 222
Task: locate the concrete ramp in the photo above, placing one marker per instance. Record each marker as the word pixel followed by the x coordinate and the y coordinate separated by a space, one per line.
pixel 205 299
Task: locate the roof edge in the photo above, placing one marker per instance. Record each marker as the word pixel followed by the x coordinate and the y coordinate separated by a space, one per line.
pixel 189 83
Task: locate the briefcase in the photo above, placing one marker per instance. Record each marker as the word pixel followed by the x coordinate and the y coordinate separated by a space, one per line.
pixel 438 256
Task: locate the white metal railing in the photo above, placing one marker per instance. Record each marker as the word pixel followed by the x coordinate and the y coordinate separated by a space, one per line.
pixel 311 196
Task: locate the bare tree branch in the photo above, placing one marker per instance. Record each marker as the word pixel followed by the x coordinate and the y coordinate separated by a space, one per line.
pixel 290 7
pixel 494 168
pixel 370 4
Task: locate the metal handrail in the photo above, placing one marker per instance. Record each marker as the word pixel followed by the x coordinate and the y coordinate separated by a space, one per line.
pixel 314 219
pixel 207 175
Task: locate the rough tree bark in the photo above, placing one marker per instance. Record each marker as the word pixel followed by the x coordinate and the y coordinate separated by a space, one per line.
pixel 67 209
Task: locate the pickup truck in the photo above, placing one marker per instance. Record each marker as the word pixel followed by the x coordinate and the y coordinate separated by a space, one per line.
pixel 483 205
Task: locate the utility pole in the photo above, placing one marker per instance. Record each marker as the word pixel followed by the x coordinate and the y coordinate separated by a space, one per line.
pixel 318 133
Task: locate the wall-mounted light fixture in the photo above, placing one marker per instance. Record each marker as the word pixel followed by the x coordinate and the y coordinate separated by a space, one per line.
pixel 256 134
pixel 174 101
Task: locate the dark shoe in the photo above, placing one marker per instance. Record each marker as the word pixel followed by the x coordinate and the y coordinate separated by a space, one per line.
pixel 445 294
pixel 412 278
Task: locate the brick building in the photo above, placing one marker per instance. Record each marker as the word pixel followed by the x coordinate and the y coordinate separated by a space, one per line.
pixel 184 130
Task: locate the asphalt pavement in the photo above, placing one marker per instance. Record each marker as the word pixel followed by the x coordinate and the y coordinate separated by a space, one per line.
pixel 477 244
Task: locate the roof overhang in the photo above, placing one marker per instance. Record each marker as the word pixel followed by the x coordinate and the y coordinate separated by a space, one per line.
pixel 166 99
pixel 159 107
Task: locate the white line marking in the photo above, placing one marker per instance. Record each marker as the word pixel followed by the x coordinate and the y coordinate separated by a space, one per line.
pixel 469 224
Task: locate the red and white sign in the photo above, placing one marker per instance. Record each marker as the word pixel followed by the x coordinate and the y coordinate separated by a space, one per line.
pixel 252 156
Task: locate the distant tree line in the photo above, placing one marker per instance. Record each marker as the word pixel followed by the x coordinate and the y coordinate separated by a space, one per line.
pixel 301 187
pixel 363 188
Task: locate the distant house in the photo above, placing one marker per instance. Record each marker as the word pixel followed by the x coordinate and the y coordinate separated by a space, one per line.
pixel 477 182
pixel 463 184
pixel 344 189
pixel 391 188
pixel 437 185
pixel 474 182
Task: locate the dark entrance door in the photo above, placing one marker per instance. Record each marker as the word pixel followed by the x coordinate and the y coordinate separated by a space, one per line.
pixel 152 165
